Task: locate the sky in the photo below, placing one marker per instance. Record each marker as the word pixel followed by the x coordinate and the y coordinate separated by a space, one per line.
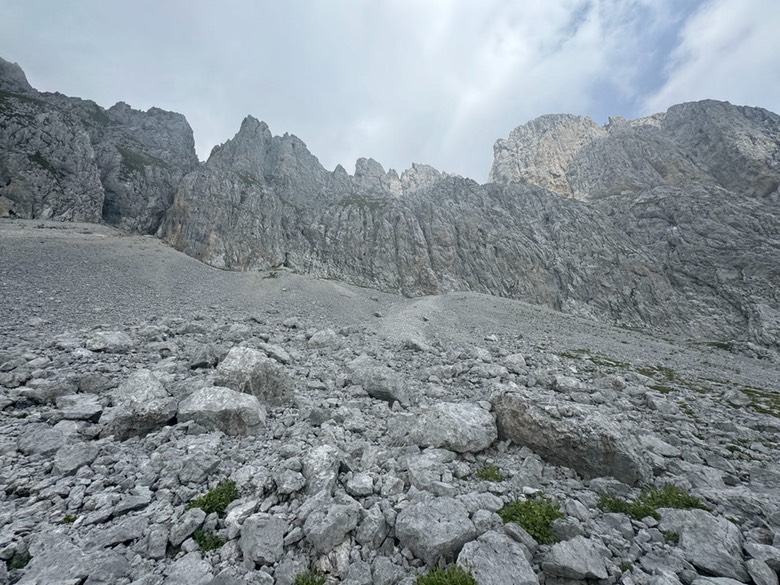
pixel 400 81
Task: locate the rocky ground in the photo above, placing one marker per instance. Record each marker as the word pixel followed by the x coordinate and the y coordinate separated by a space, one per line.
pixel 359 428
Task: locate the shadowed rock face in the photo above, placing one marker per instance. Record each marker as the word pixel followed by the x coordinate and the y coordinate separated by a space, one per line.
pixel 68 158
pixel 668 221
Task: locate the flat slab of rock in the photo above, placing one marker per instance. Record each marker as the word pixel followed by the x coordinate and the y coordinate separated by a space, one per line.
pixel 461 427
pixel 578 558
pixel 222 409
pixel 382 383
pixel 329 525
pixel 498 560
pixel 435 528
pixel 710 543
pixel 574 435
pixel 110 342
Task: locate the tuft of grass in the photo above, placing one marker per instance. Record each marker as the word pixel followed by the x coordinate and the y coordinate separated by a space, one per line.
pixel 763 401
pixel 310 577
pixel 490 473
pixel 650 500
pixel 68 519
pixel 626 567
pixel 536 515
pixel 452 575
pixel 207 540
pixel 18 561
pixel 218 499
pixel 672 537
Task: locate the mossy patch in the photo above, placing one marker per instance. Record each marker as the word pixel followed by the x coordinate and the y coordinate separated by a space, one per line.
pixel 651 500
pixel 207 540
pixel 490 473
pixel 535 515
pixel 135 162
pixel 452 575
pixel 311 577
pixel 218 499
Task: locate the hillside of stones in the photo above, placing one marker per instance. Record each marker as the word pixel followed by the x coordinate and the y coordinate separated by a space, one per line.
pixel 355 424
pixel 668 222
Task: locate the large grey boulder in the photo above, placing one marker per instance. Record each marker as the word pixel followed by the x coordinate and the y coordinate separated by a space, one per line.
pixel 222 409
pixel 461 427
pixel 248 370
pixel 55 559
pixel 74 455
pixel 191 569
pixel 574 435
pixel 110 342
pixel 434 528
pixel 141 405
pixel 496 559
pixel 710 543
pixel 262 538
pixel 382 383
pixel 578 558
pixel 327 526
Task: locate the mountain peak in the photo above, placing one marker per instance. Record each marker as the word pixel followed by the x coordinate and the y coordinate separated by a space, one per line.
pixel 13 79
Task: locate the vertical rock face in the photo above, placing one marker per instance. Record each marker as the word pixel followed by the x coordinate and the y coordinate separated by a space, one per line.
pixel 669 221
pixel 67 158
pixel 709 142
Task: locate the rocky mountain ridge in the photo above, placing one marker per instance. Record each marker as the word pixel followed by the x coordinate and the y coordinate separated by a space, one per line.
pixel 669 222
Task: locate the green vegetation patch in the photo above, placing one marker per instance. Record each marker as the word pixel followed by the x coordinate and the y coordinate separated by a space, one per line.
pixel 490 473
pixel 207 540
pixel 672 537
pixel 42 162
pixel 249 179
pixel 452 575
pixel 594 358
pixel 133 161
pixel 536 515
pixel 363 202
pixel 311 577
pixel 218 499
pixel 18 561
pixel 763 401
pixel 68 519
pixel 650 500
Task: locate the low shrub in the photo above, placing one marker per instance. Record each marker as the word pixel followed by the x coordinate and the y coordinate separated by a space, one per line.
pixel 452 575
pixel 650 500
pixel 218 499
pixel 207 540
pixel 490 473
pixel 310 577
pixel 535 515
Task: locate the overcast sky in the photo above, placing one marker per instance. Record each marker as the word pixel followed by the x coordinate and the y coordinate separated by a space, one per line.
pixel 401 81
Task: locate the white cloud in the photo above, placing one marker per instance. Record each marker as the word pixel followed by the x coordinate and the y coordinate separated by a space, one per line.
pixel 729 50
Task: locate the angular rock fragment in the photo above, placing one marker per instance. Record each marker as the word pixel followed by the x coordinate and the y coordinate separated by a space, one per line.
pixel 262 538
pixel 461 427
pixel 382 383
pixel 328 525
pixel 578 558
pixel 250 371
pixel 574 435
pixel 222 409
pixel 110 342
pixel 435 528
pixel 141 405
pixel 497 559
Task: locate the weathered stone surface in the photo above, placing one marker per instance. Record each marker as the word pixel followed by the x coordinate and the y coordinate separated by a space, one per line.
pixel 191 569
pixel 710 543
pixel 250 371
pixel 381 383
pixel 110 342
pixel 262 538
pixel 497 559
pixel 760 572
pixel 327 526
pixel 460 427
pixel 141 405
pixel 578 558
pixel 223 409
pixel 80 406
pixel 574 435
pixel 188 523
pixel 320 468
pixel 74 455
pixel 434 528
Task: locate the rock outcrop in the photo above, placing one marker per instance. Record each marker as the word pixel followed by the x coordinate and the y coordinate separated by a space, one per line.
pixel 668 222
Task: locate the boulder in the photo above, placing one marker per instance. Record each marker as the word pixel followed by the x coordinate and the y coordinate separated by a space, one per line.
pixel 710 543
pixel 110 342
pixel 141 405
pixel 461 427
pixel 248 370
pixel 223 409
pixel 578 558
pixel 433 528
pixel 575 435
pixel 327 526
pixel 262 538
pixel 382 383
pixel 496 559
